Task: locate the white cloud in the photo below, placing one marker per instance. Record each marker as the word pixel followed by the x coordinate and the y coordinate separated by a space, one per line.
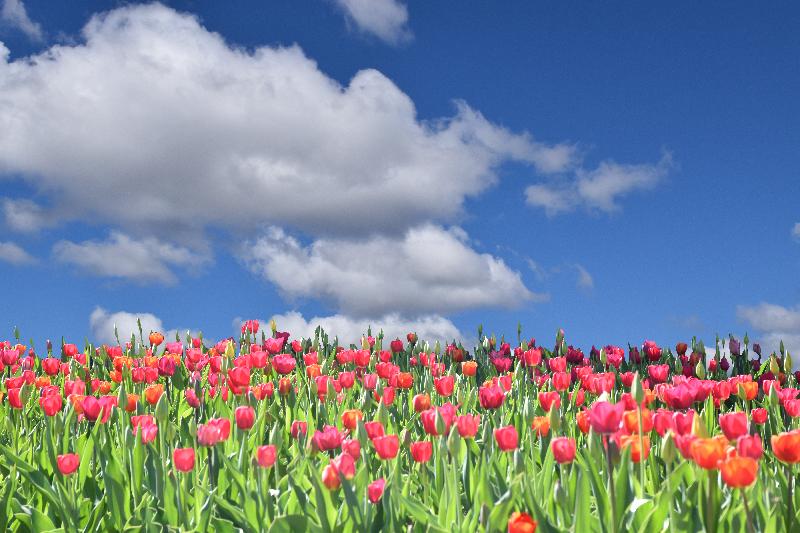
pixel 585 280
pixel 796 231
pixel 386 19
pixel 102 322
pixel 156 125
pixel 25 216
pixel 428 270
pixel 349 330
pixel 598 189
pixel 776 323
pixel 14 254
pixel 120 256
pixel 14 14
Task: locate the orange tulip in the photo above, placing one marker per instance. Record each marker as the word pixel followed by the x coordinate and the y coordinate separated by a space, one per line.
pixel 350 418
pixel 521 523
pixel 153 393
pixel 707 453
pixel 131 402
pixel 786 446
pixel 631 421
pixel 469 368
pixel 738 472
pixel 636 446
pixel 749 389
pixel 541 425
pixel 582 418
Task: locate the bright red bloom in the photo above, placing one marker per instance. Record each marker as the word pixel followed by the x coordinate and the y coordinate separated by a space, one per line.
pixel 330 477
pixel 328 439
pixel 345 465
pixel 786 446
pixel 68 463
pixel 421 451
pixel 548 399
pixel 759 415
pixel 444 385
pixel 375 489
pixel 298 427
pixel 283 364
pixel 468 425
pixel 564 449
pixel 352 447
pixel 605 417
pixel 183 459
pixel 245 417
pixel 374 429
pixel 749 446
pixel 214 431
pixel 386 446
pixel 266 455
pixel 507 438
pixel 561 381
pixel 707 453
pixel 521 523
pixel 491 397
pixel 733 425
pixel 51 404
pixel 421 402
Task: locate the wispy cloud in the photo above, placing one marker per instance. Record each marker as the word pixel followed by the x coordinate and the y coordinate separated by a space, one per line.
pixel 13 13
pixel 386 19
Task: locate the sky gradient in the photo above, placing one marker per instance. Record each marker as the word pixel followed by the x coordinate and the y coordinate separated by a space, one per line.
pixel 623 171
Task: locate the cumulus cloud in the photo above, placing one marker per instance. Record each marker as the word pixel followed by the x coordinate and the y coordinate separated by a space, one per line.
pixel 598 189
pixel 386 19
pixel 145 260
pixel 429 270
pixel 102 323
pixel 776 323
pixel 349 330
pixel 13 13
pixel 14 254
pixel 156 125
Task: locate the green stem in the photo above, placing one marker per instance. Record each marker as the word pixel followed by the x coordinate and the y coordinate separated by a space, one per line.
pixel 611 492
pixel 750 528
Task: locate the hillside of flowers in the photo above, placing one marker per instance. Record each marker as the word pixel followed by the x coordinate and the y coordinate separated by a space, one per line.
pixel 271 432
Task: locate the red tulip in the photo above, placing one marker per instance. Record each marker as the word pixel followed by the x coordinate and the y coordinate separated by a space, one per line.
pixel 386 446
pixel 68 463
pixel 749 446
pixel 330 477
pixel 468 425
pixel 375 490
pixel 51 404
pixel 564 449
pixel 183 459
pixel 733 425
pixel 444 385
pixel 521 523
pixel 374 429
pixel 759 415
pixel 266 455
pixel 786 446
pixel 421 451
pixel 421 402
pixel 298 427
pixel 739 472
pixel 245 417
pixel 352 447
pixel 507 438
pixel 605 417
pixel 491 397
pixel 328 439
pixel 345 465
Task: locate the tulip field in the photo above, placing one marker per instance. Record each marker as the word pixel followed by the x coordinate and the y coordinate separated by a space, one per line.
pixel 271 432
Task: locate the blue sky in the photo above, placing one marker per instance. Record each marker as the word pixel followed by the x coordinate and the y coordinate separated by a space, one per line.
pixel 624 171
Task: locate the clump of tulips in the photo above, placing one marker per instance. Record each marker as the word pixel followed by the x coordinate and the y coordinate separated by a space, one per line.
pixel 272 433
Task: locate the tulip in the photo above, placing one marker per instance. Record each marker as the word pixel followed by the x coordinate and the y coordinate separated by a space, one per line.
pixel 786 446
pixel 708 453
pixel 352 447
pixel 245 417
pixel 421 402
pixel 521 523
pixel 491 397
pixel 330 477
pixel 759 415
pixel 386 446
pixel 266 455
pixel 739 472
pixel 733 425
pixel 469 368
pixel 749 446
pixel 51 404
pixel 444 385
pixel 328 439
pixel 564 449
pixel 421 451
pixel 468 425
pixel 298 428
pixel 507 438
pixel 374 429
pixel 68 463
pixel 183 459
pixel 375 489
pixel 541 426
pixel 605 417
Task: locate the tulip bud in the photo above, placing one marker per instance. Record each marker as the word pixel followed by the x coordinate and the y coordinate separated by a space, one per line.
pixel 668 450
pixel 774 401
pixel 519 462
pixel 773 364
pixel 440 424
pixel 787 363
pixel 781 348
pixel 162 410
pixel 122 396
pixel 699 429
pixel 636 389
pixel 700 370
pixel 555 418
pixel 603 357
pixel 454 441
pixel 276 435
pixel 273 326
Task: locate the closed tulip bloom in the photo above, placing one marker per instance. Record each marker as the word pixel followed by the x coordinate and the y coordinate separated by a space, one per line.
pixel 564 449
pixel 605 417
pixel 374 429
pixel 749 446
pixel 68 463
pixel 298 428
pixel 328 439
pixel 507 438
pixel 521 523
pixel 786 446
pixel 386 446
pixel 491 397
pixel 352 447
pixel 375 490
pixel 733 425
pixel 469 368
pixel 444 385
pixel 245 417
pixel 350 418
pixel 640 449
pixel 51 404
pixel 759 415
pixel 183 459
pixel 631 421
pixel 708 453
pixel 421 402
pixel 549 399
pixel 468 425
pixel 330 477
pixel 421 451
pixel 739 472
pixel 582 419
